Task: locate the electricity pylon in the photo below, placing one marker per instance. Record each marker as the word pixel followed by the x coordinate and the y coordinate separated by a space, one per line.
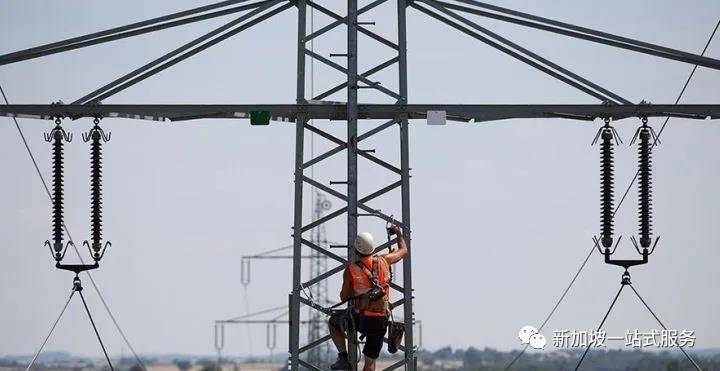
pixel 316 323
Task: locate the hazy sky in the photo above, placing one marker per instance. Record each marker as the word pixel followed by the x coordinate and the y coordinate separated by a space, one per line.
pixel 502 215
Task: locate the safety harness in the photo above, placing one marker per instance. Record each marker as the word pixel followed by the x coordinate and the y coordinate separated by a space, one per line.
pixel 371 302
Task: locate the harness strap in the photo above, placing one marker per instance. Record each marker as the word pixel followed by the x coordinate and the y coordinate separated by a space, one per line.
pixel 371 274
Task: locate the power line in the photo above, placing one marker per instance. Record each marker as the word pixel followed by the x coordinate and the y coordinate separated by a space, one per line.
pixel 557 304
pixel 247 313
pixel 67 231
pixel 601 325
pixel 353 116
pixel 270 310
pixel 592 249
pixel 677 100
pixel 52 328
pixel 102 345
pixel 697 367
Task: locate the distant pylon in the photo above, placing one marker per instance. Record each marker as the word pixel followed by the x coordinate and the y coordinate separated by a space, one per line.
pixel 319 355
pixel 316 328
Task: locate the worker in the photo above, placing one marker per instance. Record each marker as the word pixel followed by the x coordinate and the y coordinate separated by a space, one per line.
pixel 366 283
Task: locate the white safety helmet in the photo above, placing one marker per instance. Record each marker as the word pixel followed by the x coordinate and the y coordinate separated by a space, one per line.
pixel 365 243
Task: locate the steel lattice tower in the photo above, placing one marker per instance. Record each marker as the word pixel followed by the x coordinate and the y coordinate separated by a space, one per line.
pixel 315 322
pixel 396 113
pixel 349 145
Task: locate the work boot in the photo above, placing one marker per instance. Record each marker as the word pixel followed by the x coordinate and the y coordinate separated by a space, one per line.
pixel 342 363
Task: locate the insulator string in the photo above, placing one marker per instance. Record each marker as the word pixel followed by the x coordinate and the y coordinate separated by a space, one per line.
pixel 645 186
pixel 57 136
pixel 607 185
pixel 96 136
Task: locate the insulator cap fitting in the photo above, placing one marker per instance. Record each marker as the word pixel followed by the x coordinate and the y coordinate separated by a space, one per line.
pixel 644 134
pixel 607 134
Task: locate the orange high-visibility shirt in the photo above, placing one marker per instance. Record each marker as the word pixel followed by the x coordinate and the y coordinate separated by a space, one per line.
pixel 359 281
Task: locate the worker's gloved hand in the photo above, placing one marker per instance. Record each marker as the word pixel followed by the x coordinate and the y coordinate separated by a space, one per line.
pixel 394 229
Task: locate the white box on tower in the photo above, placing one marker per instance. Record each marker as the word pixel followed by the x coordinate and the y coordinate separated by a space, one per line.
pixel 436 117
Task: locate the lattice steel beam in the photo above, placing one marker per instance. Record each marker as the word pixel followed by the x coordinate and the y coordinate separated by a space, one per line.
pixel 351 111
pixel 584 33
pixel 291 112
pixel 133 29
pixel 566 75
